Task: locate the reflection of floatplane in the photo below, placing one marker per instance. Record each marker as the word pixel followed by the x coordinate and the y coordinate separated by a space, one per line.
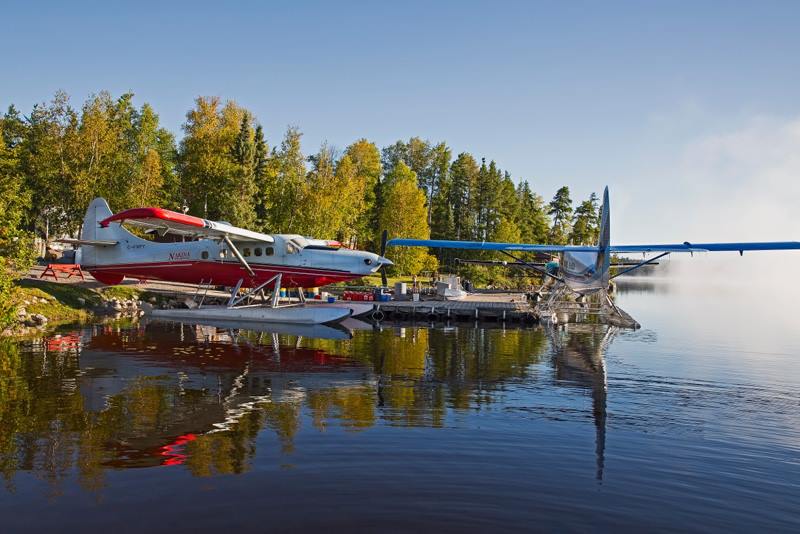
pixel 579 353
pixel 336 331
pixel 220 255
pixel 227 385
pixel 585 270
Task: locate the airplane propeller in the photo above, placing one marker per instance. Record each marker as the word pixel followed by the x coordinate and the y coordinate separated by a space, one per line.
pixel 382 268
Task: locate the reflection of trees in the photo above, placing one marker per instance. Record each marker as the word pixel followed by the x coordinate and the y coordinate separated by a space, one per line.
pixel 167 395
pixel 422 372
pixel 353 405
pixel 39 409
pixel 475 362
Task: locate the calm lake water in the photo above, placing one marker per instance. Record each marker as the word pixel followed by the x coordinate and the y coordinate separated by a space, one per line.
pixel 690 423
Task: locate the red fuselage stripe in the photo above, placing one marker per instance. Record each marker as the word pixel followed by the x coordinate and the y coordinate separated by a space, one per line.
pixel 271 267
pixel 225 273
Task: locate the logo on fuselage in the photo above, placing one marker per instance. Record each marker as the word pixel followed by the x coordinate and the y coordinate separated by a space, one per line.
pixel 181 255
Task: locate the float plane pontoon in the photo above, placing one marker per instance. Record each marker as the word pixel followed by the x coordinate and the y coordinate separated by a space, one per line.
pixel 585 270
pixel 219 254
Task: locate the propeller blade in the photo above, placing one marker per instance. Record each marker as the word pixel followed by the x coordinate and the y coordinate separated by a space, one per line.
pixel 384 237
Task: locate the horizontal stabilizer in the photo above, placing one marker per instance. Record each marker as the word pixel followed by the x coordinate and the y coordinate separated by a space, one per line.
pixel 91 242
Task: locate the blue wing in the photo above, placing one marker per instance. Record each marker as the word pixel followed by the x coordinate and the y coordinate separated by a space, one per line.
pixel 708 247
pixel 486 245
pixel 525 247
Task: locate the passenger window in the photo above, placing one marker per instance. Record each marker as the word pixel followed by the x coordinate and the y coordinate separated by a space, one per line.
pixel 269 251
pixel 246 252
pixel 258 251
pixel 290 248
pixel 223 253
pixel 204 254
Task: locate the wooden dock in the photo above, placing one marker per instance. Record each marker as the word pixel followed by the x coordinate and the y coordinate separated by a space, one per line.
pixel 474 308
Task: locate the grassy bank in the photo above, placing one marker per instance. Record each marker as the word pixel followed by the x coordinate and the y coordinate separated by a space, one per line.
pixel 58 302
pixel 63 303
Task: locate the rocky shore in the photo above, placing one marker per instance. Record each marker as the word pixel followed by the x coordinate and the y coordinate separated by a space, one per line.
pixel 42 305
pixel 32 316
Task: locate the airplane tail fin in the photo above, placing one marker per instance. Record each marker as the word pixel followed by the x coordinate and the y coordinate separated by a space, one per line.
pixel 98 244
pixel 604 239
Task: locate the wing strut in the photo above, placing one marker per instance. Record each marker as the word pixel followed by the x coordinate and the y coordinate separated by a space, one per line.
pixel 641 264
pixel 238 254
pixel 533 267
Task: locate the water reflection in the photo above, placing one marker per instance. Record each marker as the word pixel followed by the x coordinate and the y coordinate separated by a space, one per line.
pixel 579 354
pixel 163 394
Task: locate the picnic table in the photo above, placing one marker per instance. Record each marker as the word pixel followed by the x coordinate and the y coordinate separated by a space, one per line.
pixel 70 269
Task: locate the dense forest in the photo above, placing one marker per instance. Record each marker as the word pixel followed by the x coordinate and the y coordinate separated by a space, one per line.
pixel 226 166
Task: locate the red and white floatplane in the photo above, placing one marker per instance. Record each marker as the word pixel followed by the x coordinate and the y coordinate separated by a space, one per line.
pixel 219 254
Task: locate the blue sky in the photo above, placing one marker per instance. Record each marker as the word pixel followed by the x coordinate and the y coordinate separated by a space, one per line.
pixel 660 100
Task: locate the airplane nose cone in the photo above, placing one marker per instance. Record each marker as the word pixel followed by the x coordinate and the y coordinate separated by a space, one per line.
pixel 385 261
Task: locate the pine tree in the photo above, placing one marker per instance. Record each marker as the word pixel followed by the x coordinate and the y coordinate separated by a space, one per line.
pixel 585 228
pixel 560 209
pixel 261 178
pixel 464 175
pixel 242 149
pixel 531 215
pixel 442 221
pixel 439 170
pixel 487 200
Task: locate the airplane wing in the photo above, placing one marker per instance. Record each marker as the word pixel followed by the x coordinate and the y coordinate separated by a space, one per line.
pixel 166 221
pixel 708 247
pixel 524 247
pixel 487 245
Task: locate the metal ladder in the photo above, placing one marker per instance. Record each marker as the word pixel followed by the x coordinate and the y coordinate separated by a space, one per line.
pixel 201 292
